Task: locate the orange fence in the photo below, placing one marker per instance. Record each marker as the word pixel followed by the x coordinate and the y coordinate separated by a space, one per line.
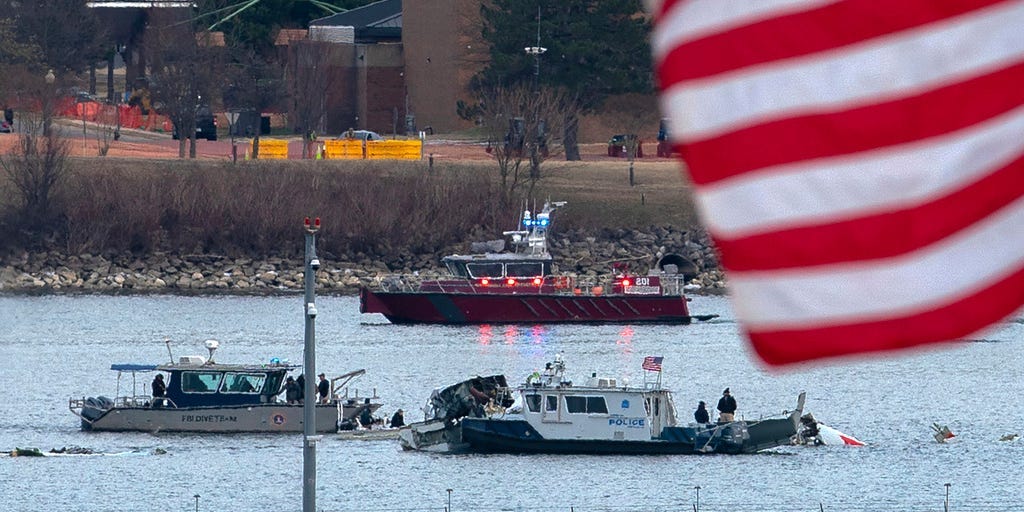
pixel 124 115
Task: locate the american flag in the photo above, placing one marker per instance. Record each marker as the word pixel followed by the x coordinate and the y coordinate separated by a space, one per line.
pixel 652 363
pixel 858 163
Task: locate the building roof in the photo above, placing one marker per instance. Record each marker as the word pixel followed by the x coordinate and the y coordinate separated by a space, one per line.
pixel 382 14
pixel 286 36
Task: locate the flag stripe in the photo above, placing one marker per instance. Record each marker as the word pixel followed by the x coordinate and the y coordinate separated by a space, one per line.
pixel 845 132
pixel 952 321
pixel 800 33
pixel 860 164
pixel 809 193
pixel 906 63
pixel 859 239
pixel 684 20
pixel 850 292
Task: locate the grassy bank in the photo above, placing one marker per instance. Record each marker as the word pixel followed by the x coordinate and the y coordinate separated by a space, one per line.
pixel 368 207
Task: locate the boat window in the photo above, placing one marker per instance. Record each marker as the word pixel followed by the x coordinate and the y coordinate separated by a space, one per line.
pixel 552 403
pixel 243 383
pixel 586 405
pixel 200 382
pixel 596 405
pixel 533 403
pixel 528 269
pixel 456 268
pixel 477 270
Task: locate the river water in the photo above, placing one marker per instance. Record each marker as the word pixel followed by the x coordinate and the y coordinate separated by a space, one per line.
pixel 56 347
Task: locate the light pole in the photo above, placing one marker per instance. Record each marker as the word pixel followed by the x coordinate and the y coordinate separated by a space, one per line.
pixel 947 496
pixel 449 509
pixel 50 78
pixel 536 51
pixel 197 502
pixel 696 507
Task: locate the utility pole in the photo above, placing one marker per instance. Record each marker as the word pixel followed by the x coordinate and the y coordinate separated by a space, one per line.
pixel 310 438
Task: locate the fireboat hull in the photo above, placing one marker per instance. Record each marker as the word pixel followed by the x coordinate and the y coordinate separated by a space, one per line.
pixel 482 308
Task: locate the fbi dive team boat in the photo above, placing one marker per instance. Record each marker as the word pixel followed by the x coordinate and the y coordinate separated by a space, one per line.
pixel 521 287
pixel 552 415
pixel 205 396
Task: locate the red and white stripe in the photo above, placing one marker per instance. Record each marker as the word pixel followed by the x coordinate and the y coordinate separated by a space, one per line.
pixel 860 164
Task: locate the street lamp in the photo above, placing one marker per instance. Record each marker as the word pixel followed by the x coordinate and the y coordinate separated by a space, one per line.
pixel 50 78
pixel 947 496
pixel 449 509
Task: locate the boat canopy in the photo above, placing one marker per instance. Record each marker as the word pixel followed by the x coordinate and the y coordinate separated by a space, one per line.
pixel 128 367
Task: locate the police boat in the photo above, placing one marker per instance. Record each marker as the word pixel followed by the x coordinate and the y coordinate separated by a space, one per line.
pixel 206 396
pixel 602 416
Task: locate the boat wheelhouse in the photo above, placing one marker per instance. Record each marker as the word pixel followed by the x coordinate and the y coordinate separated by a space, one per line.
pixel 602 416
pixel 205 396
pixel 523 287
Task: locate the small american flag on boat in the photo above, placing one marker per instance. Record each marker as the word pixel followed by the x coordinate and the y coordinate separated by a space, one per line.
pixel 652 363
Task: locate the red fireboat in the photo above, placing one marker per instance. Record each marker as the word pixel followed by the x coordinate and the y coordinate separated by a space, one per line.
pixel 519 287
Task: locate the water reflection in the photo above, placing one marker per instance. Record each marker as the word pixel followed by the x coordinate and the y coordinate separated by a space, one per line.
pixel 485 334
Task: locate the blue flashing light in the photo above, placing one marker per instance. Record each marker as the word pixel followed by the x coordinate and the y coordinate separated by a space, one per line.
pixel 275 360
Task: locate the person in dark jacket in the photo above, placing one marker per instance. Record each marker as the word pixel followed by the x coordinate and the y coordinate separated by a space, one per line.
pixel 323 388
pixel 291 391
pixel 366 417
pixel 701 414
pixel 398 419
pixel 159 390
pixel 301 382
pixel 726 407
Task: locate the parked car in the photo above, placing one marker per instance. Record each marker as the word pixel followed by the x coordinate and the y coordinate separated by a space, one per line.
pixel 361 135
pixel 206 124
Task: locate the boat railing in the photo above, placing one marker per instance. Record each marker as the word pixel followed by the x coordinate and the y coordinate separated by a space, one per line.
pixel 588 285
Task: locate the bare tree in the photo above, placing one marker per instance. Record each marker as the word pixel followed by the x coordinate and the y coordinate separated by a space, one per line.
pixel 182 67
pixel 254 84
pixel 310 77
pixel 521 125
pixel 36 167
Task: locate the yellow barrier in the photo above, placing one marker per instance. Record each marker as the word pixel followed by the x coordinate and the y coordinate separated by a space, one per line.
pixel 394 149
pixel 272 149
pixel 343 149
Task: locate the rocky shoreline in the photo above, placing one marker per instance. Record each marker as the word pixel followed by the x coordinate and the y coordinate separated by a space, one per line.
pixel 575 252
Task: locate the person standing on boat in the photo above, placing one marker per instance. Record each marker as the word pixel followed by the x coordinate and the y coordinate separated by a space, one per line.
pixel 398 419
pixel 291 391
pixel 726 407
pixel 366 416
pixel 159 390
pixel 701 415
pixel 323 388
pixel 301 382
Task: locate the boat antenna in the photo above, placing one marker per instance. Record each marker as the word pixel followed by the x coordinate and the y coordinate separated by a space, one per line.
pixel 167 342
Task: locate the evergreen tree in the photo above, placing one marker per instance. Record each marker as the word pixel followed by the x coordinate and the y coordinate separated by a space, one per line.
pixel 594 49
